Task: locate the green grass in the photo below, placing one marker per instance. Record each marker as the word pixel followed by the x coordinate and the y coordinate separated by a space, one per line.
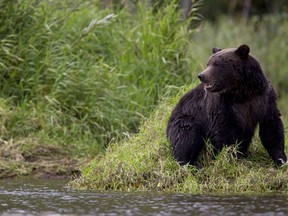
pixel 144 162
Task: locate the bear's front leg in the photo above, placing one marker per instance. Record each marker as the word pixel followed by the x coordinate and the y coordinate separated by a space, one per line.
pixel 186 138
pixel 271 133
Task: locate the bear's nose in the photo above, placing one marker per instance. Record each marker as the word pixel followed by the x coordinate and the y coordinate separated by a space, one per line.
pixel 201 77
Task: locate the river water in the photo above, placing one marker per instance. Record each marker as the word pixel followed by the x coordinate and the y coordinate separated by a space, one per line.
pixel 51 197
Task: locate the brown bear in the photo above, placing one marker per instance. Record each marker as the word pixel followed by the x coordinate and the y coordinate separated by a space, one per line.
pixel 233 97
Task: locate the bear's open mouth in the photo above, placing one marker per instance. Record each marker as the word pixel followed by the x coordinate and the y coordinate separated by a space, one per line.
pixel 208 86
pixel 212 87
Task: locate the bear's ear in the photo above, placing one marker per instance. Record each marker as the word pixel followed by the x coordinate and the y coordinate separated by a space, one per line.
pixel 215 50
pixel 243 51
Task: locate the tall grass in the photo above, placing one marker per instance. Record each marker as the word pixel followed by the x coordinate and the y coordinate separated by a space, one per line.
pixel 82 75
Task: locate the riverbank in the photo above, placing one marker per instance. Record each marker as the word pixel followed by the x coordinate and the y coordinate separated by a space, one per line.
pixel 40 161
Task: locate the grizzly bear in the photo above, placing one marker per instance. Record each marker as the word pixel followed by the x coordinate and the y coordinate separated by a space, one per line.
pixel 233 98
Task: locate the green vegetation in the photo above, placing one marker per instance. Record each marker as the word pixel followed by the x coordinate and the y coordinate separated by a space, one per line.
pixel 75 76
pixel 144 162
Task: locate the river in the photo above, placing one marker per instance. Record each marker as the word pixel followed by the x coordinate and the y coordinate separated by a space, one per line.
pixel 51 197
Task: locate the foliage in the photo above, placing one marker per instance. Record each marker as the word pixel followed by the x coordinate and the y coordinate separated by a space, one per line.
pixel 81 75
pixel 144 162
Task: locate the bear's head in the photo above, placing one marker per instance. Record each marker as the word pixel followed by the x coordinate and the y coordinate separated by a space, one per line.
pixel 233 71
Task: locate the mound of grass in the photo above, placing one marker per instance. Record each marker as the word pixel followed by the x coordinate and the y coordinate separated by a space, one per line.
pixel 144 162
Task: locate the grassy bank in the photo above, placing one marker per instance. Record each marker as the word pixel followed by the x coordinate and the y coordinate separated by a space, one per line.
pixel 144 162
